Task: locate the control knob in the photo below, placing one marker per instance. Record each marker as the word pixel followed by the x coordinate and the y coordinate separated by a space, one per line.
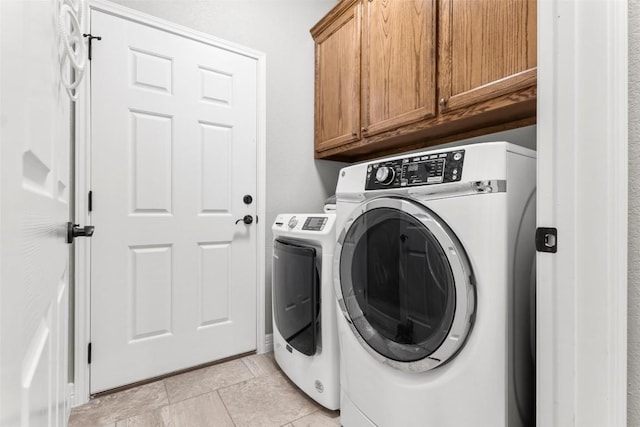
pixel 385 175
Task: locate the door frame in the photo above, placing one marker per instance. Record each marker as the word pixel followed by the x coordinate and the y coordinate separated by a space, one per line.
pixel 582 289
pixel 82 309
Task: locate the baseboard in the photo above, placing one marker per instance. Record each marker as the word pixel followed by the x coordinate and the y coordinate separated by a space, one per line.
pixel 268 343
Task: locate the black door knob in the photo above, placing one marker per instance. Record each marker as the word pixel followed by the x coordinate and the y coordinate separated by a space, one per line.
pixel 247 219
pixel 74 230
pixel 247 199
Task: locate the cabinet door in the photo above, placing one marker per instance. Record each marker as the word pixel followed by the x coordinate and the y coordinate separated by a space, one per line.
pixel 487 49
pixel 337 90
pixel 398 63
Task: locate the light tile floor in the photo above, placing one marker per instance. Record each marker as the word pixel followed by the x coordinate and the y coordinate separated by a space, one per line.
pixel 246 392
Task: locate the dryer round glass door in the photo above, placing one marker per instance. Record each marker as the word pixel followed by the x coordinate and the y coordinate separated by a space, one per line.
pixel 404 284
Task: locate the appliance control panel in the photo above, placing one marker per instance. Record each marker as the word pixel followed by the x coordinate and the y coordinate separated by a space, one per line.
pixel 301 222
pixel 419 169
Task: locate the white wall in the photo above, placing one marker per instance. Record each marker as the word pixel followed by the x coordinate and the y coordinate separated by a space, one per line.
pixel 524 137
pixel 633 337
pixel 280 28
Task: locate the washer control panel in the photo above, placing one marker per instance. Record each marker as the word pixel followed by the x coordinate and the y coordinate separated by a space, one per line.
pixel 419 169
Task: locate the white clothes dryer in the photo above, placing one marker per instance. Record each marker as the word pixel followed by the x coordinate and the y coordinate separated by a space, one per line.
pixel 305 336
pixel 432 277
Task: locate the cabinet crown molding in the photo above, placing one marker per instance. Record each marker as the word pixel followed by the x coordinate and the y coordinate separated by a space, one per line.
pixel 328 19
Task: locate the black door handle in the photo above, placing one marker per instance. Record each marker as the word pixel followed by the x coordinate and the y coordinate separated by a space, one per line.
pixel 74 230
pixel 247 219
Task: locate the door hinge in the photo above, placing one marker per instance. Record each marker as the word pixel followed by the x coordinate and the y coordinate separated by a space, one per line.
pixel 91 37
pixel 90 198
pixel 547 239
pixel 89 354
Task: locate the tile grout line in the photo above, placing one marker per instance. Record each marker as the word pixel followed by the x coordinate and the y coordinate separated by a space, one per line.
pixel 248 367
pixel 265 375
pixel 169 402
pixel 149 410
pixel 137 414
pixel 159 408
pixel 251 370
pixel 225 408
pixel 214 390
pixel 166 391
pixel 301 417
pixel 208 391
pixel 245 381
pixel 117 418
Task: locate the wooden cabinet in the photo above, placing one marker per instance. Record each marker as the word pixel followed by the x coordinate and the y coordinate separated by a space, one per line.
pixel 487 49
pixel 337 83
pixel 396 75
pixel 398 64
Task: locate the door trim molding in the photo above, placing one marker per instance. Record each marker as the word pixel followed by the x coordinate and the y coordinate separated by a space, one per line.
pixel 82 309
pixel 582 289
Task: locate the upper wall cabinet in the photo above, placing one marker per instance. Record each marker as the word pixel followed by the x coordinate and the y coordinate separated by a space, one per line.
pixel 337 84
pixel 396 75
pixel 398 64
pixel 487 49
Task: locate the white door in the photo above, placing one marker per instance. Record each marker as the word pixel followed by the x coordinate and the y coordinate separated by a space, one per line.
pixel 34 200
pixel 173 275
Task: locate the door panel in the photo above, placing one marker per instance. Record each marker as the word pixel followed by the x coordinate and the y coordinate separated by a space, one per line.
pixel 214 283
pixel 151 148
pixel 34 200
pixel 487 49
pixel 173 153
pixel 215 145
pixel 398 63
pixel 337 87
pixel 151 286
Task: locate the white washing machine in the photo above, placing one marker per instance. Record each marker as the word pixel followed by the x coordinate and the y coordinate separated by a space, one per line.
pixel 305 339
pixel 432 277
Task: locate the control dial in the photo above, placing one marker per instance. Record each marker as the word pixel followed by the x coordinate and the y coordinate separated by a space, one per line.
pixel 385 175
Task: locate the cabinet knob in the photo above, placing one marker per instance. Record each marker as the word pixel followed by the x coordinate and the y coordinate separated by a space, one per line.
pixel 354 134
pixel 364 130
pixel 443 102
